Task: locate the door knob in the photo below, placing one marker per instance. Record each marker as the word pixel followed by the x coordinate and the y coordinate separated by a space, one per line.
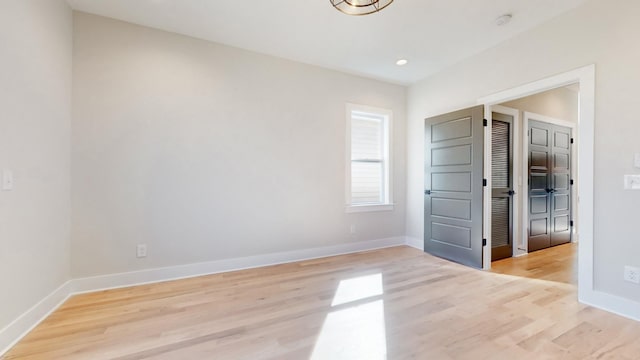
pixel 551 191
pixel 427 192
pixel 510 192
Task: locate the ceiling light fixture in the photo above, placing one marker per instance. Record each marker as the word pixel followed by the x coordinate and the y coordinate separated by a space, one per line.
pixel 402 62
pixel 360 7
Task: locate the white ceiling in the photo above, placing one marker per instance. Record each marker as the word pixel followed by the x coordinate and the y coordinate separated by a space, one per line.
pixel 431 34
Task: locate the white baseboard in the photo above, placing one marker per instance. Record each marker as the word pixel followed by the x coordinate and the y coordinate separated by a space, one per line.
pixel 415 243
pixel 612 303
pixel 26 322
pixel 113 281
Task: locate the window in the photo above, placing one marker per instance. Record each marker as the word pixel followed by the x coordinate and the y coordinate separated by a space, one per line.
pixel 368 165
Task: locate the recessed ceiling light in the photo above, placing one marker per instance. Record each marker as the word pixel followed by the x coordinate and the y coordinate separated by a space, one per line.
pixel 504 19
pixel 402 62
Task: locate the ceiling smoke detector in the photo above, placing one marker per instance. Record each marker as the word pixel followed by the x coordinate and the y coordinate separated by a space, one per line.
pixel 504 19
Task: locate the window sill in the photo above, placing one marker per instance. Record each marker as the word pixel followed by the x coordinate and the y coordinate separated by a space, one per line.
pixel 368 208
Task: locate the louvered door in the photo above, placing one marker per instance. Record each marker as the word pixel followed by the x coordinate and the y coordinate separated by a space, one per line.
pixel 502 187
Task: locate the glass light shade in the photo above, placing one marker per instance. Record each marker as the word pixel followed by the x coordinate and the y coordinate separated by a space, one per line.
pixel 360 7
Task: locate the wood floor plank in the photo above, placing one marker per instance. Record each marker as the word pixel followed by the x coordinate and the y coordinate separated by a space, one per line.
pixel 425 308
pixel 559 264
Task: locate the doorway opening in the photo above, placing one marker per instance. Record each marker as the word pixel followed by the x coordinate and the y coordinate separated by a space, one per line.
pixel 534 183
pixel 584 159
pixel 534 166
pixel 458 195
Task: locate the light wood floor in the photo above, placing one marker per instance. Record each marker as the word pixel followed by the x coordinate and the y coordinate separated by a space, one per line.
pixel 395 303
pixel 559 263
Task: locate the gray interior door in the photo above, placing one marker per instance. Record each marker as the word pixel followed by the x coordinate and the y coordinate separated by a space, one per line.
pixel 502 186
pixel 549 185
pixel 453 186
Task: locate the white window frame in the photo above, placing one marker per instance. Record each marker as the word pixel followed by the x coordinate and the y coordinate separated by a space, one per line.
pixel 387 203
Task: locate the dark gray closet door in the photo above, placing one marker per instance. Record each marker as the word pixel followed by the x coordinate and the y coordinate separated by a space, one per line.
pixel 502 187
pixel 561 185
pixel 453 186
pixel 549 185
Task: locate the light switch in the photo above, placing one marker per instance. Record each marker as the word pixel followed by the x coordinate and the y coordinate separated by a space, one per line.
pixel 636 160
pixel 632 182
pixel 7 180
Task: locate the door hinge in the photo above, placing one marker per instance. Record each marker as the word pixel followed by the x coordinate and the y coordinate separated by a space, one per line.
pixel 484 182
pixel 485 122
pixel 571 182
pixel 572 140
pixel 571 223
pixel 484 242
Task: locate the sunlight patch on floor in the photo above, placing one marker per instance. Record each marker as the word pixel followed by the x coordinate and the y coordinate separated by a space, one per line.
pixel 354 332
pixel 359 288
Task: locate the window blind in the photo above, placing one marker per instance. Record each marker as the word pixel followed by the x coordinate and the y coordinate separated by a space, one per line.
pixel 367 159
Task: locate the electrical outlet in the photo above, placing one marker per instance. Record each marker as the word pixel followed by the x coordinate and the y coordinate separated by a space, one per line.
pixel 141 250
pixel 352 229
pixel 632 274
pixel 632 182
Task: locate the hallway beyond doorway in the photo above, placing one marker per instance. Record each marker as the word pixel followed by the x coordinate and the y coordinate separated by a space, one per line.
pixel 558 264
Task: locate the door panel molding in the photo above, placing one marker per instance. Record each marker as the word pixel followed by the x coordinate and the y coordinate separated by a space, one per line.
pixel 453 196
pixel 559 169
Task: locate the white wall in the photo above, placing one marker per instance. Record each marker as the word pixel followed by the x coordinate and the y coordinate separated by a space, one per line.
pixel 35 116
pixel 600 32
pixel 561 103
pixel 207 152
